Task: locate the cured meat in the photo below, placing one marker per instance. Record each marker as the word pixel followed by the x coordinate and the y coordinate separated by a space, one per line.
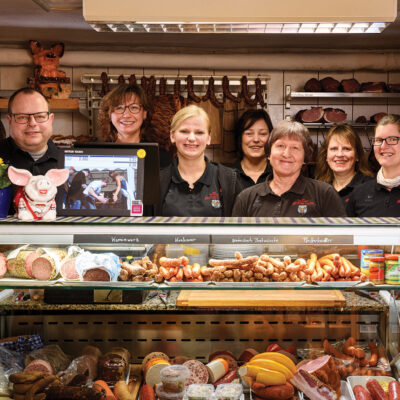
pixel 394 87
pixel 227 378
pixel 105 87
pixel 39 365
pixel 226 355
pixel 315 114
pixel 45 267
pixel 361 120
pixel 376 390
pixel 313 85
pixel 80 371
pixel 29 260
pixel 373 87
pixel 68 270
pixel 274 392
pixel 59 392
pixel 53 354
pixel 318 379
pixel 361 393
pixel 334 115
pixel 3 265
pixel 377 117
pixel 247 355
pixel 350 85
pixel 330 84
pixel 198 372
pixel 96 274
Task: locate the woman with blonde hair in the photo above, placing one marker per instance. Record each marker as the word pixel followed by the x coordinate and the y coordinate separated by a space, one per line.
pixel 342 162
pixel 192 185
pixel 286 192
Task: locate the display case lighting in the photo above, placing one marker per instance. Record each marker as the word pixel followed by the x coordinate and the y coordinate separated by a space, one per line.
pixel 180 27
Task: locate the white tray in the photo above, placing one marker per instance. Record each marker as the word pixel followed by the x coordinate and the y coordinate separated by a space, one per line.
pixel 362 380
pixel 262 284
pixel 338 284
pixel 344 388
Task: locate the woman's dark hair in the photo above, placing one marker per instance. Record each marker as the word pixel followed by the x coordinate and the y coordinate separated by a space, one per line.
pixel 323 172
pixel 248 119
pixel 113 99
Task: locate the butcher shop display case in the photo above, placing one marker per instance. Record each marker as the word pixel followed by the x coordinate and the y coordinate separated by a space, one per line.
pixel 245 283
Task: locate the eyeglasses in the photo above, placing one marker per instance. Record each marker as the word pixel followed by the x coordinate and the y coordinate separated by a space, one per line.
pixel 390 140
pixel 133 109
pixel 25 118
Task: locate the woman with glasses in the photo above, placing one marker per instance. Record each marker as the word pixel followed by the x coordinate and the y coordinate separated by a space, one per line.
pixel 342 162
pixel 381 197
pixel 192 186
pixel 286 192
pixel 251 132
pixel 124 117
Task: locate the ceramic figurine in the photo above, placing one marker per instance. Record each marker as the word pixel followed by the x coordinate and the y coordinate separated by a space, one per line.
pixel 35 199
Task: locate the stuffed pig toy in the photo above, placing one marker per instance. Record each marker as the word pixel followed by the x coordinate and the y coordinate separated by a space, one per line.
pixel 36 199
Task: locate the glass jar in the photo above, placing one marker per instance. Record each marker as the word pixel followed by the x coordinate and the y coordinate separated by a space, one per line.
pixel 392 270
pixel 377 270
pixel 366 254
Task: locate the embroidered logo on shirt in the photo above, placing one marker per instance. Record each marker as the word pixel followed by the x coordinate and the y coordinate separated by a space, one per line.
pixel 303 202
pixel 212 196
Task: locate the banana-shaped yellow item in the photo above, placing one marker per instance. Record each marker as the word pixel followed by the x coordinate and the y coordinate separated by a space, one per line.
pixel 277 357
pixel 269 378
pixel 266 363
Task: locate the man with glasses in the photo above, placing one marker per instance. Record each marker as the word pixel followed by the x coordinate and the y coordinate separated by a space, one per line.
pixel 381 197
pixel 30 126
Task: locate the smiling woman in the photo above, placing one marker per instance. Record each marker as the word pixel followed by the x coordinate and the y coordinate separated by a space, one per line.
pixel 342 161
pixel 192 185
pixel 380 197
pixel 286 192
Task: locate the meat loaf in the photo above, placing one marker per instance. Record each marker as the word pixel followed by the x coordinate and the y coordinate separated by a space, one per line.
pixel 68 270
pixel 96 274
pixel 198 372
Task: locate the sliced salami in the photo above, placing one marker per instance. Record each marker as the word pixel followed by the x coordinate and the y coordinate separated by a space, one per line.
pixel 3 265
pixel 198 372
pixel 43 268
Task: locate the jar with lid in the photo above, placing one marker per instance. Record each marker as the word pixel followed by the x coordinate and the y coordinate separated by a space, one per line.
pixel 392 270
pixel 377 270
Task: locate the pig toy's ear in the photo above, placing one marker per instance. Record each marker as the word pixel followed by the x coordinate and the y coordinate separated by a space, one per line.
pixel 57 176
pixel 18 176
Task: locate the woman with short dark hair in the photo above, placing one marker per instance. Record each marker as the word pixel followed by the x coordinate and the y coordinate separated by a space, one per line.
pixel 251 133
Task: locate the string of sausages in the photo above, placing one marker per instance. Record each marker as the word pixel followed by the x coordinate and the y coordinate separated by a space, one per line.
pixel 149 85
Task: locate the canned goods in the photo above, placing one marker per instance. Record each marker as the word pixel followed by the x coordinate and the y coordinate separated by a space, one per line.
pixel 366 254
pixel 377 270
pixel 392 270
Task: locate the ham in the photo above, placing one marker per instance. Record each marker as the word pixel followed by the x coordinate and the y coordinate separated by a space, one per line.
pixel 377 117
pixel 394 87
pixel 373 87
pixel 315 114
pixel 313 85
pixel 334 115
pixel 350 85
pixel 318 379
pixel 361 120
pixel 330 84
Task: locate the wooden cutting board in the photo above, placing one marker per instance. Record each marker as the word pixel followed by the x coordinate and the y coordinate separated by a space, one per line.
pixel 260 298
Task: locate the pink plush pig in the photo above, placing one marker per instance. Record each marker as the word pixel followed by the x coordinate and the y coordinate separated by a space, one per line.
pixel 36 199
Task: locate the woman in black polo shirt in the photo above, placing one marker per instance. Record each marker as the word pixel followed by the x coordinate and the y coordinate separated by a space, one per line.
pixel 342 161
pixel 286 192
pixel 192 185
pixel 252 130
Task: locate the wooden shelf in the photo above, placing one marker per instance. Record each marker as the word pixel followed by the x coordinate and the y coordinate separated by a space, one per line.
pixel 55 104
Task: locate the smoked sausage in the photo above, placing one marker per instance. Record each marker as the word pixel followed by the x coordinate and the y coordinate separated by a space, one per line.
pixel 376 390
pixel 276 392
pixel 394 390
pixel 361 393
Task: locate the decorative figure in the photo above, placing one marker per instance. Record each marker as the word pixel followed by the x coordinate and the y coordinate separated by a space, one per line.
pixel 35 199
pixel 47 77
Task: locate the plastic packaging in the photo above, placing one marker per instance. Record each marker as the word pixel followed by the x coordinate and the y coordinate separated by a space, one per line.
pixel 200 391
pixel 229 391
pixel 108 262
pixel 10 361
pixel 174 377
pixel 163 395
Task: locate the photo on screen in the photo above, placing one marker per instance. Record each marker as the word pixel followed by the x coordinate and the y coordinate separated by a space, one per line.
pixel 103 181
